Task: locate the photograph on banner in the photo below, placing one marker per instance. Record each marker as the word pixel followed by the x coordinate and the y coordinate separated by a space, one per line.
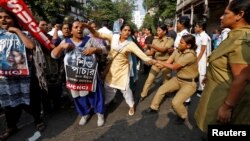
pixel 81 71
pixel 13 59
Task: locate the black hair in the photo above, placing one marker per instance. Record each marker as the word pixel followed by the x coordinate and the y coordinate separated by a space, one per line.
pixel 202 24
pixel 149 28
pixel 123 25
pixel 41 19
pixel 184 20
pixel 16 24
pixel 163 27
pixel 190 39
pixel 241 5
pixel 69 24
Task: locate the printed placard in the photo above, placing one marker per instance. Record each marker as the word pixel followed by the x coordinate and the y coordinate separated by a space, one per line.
pixel 80 78
pixel 13 59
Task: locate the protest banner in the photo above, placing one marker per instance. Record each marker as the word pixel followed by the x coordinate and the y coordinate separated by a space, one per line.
pixel 25 18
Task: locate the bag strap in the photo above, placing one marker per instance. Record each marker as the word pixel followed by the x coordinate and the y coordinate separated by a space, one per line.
pixel 120 50
pixel 117 53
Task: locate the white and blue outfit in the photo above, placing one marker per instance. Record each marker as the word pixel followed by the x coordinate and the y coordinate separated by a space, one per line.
pixel 86 100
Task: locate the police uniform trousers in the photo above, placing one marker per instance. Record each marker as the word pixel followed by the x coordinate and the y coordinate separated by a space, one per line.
pixel 154 71
pixel 185 89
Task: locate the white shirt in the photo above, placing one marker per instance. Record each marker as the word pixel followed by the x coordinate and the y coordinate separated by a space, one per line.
pixel 224 33
pixel 105 30
pixel 59 32
pixel 203 39
pixel 178 37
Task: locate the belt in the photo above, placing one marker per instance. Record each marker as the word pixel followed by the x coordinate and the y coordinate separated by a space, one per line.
pixel 186 79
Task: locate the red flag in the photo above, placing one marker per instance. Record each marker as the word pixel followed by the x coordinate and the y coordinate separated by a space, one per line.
pixel 21 11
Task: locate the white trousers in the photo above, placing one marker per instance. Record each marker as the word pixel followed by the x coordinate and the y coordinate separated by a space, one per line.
pixel 127 94
pixel 202 68
pixel 200 85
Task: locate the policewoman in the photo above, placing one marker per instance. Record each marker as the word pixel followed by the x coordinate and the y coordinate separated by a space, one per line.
pixel 226 96
pixel 184 61
pixel 159 49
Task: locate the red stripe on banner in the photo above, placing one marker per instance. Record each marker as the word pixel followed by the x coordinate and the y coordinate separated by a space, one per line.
pixel 21 11
pixel 14 72
pixel 79 87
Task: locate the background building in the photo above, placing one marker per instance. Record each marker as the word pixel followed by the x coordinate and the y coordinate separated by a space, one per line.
pixel 77 12
pixel 138 14
pixel 138 18
pixel 209 10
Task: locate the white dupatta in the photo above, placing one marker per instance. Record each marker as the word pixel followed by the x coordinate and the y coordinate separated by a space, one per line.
pixel 116 44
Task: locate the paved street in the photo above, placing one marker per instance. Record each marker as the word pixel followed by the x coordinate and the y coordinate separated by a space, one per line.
pixel 119 126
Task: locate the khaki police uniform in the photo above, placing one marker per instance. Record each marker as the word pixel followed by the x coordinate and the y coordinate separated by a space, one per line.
pixel 184 82
pixel 165 42
pixel 233 50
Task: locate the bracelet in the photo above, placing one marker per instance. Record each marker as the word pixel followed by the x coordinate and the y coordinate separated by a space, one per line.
pixel 228 104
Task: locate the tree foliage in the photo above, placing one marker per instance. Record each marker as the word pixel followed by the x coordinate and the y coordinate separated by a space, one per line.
pixel 124 8
pixel 97 10
pixel 108 11
pixel 47 9
pixel 101 10
pixel 149 22
pixel 165 10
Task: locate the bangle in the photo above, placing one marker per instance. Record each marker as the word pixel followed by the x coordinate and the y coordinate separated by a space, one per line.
pixel 228 104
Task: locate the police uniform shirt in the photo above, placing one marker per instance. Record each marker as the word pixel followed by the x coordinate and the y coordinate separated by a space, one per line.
pixel 188 60
pixel 164 42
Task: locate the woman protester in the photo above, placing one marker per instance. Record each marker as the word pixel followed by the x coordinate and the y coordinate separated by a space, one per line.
pixel 78 49
pixel 118 76
pixel 226 96
pixel 16 92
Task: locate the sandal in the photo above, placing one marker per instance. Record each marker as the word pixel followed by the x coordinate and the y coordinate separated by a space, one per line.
pixel 131 111
pixel 9 132
pixel 40 126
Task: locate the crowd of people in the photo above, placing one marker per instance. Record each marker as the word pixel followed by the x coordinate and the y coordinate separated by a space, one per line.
pixel 215 67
